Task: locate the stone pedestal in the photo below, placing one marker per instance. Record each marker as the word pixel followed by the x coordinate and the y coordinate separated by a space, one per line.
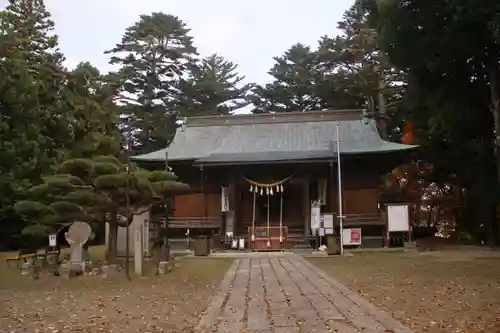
pixel 164 267
pixel 109 271
pixel 25 268
pixel 34 271
pixel 69 270
pixel 177 262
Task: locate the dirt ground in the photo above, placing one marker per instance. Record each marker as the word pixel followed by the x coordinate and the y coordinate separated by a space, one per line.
pixel 453 291
pixel 168 303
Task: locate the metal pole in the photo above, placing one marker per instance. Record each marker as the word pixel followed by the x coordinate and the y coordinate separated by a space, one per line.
pixel 268 244
pixel 253 219
pixel 339 174
pixel 202 189
pixel 166 243
pixel 128 214
pixel 281 219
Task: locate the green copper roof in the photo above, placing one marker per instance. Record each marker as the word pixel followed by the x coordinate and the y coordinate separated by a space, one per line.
pixel 273 141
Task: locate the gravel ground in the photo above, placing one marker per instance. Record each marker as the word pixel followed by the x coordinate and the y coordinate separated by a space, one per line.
pixel 168 303
pixel 444 291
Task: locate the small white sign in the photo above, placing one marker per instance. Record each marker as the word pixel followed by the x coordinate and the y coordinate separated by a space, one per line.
pixel 315 217
pixel 351 236
pixel 53 240
pixel 328 221
pixel 321 232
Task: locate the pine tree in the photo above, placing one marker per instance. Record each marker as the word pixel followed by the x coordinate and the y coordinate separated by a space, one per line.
pixel 32 129
pixel 94 115
pixel 95 191
pixel 293 88
pixel 212 88
pixel 152 55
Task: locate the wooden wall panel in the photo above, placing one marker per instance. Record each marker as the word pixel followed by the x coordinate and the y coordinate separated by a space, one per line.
pixel 192 205
pixel 361 201
pixel 214 204
pixel 188 205
pixel 246 204
pixel 293 210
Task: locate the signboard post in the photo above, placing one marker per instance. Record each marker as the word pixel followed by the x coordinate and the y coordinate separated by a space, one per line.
pixel 398 220
pixel 315 221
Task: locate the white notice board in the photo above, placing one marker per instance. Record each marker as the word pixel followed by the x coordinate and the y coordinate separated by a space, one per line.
pixel 328 221
pixel 315 217
pixel 398 218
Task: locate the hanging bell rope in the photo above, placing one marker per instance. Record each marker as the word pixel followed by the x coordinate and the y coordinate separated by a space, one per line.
pixel 267 188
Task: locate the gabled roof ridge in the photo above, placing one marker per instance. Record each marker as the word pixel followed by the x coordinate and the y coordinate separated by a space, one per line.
pixel 278 117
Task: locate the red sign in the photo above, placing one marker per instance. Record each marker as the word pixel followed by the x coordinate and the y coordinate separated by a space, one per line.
pixel 356 236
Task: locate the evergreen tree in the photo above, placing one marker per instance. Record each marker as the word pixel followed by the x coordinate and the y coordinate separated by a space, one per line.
pixel 355 66
pixel 451 50
pixel 96 191
pixel 33 127
pixel 212 88
pixel 152 55
pixel 293 89
pixel 94 115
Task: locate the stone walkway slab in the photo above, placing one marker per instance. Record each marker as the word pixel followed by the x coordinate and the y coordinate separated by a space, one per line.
pixel 281 294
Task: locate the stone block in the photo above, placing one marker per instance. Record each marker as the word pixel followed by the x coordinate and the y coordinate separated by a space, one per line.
pixel 68 270
pixel 25 268
pixel 164 267
pixel 109 271
pixel 177 262
pixel 34 271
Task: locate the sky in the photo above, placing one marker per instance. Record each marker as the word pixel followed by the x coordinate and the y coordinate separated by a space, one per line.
pixel 247 32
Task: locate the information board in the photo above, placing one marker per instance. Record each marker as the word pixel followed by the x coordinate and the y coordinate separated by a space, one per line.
pixel 398 218
pixel 351 236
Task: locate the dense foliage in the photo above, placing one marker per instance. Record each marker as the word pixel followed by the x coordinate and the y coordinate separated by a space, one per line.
pixel 451 50
pixel 95 190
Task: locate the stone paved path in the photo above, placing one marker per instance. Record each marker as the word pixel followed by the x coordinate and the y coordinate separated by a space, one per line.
pixel 288 294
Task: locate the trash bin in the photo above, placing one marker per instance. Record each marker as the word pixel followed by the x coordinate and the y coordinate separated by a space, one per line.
pixel 332 246
pixel 202 246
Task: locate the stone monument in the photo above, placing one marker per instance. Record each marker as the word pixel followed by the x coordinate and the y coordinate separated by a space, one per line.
pixel 78 234
pixel 138 250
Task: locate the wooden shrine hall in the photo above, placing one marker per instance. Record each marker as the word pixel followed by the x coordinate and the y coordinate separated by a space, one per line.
pixel 259 176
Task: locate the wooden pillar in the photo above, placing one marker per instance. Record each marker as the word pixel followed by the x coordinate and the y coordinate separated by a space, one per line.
pixel 233 206
pixel 306 206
